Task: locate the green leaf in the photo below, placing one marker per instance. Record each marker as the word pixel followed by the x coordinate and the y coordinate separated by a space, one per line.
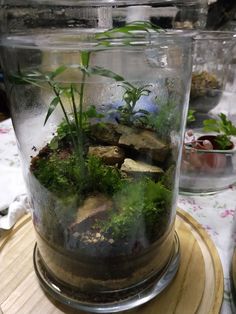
pixel 96 70
pixel 191 116
pixel 52 107
pixel 130 29
pixel 85 58
pixel 210 125
pixel 57 72
pixel 92 113
pixel 32 78
pixel 222 126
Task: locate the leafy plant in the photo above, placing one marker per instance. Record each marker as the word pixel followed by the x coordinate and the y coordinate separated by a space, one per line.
pixel 127 32
pixel 75 128
pixel 224 127
pixel 63 131
pixel 58 173
pixel 128 114
pixel 191 116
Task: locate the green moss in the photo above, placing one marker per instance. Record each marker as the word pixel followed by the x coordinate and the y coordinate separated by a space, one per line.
pixel 202 82
pixel 167 120
pixel 142 205
pixel 63 174
pixel 102 178
pixel 56 174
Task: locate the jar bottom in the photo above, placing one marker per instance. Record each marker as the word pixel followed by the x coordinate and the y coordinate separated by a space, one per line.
pixel 117 301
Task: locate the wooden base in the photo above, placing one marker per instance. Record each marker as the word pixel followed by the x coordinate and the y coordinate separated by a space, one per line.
pixel 197 287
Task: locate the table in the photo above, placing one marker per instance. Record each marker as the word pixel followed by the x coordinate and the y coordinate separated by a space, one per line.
pixel 214 212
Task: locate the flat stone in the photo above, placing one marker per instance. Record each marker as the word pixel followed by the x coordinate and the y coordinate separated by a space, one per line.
pixel 134 168
pixel 91 206
pixel 144 142
pixel 110 155
pixel 105 133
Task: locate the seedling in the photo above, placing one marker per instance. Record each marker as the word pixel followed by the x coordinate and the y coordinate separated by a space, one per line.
pixel 225 129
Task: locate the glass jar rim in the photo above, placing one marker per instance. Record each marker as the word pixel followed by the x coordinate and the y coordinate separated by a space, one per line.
pixel 103 2
pixel 215 35
pixel 68 40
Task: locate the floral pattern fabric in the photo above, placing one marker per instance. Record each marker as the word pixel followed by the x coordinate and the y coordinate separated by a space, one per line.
pixel 214 212
pixel 11 179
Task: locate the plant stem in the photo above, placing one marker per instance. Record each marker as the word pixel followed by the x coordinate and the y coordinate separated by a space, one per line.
pixel 81 100
pixel 74 109
pixel 64 112
pixel 82 89
pixel 79 149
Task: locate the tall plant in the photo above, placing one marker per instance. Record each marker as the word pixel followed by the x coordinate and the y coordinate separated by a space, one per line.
pixel 75 122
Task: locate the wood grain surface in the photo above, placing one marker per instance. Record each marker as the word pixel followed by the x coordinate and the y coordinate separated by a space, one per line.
pixel 197 287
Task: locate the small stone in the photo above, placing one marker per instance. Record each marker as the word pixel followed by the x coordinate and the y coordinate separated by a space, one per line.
pixel 111 241
pixel 135 168
pixel 76 234
pixel 110 155
pixel 98 235
pixel 102 238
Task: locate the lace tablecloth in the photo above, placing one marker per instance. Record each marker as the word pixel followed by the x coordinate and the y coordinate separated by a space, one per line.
pixel 215 212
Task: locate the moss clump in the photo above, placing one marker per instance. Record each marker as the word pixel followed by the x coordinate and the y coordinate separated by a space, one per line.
pixel 167 120
pixel 63 174
pixel 203 82
pixel 139 207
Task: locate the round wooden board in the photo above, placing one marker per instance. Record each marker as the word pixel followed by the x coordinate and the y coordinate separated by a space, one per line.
pixel 197 287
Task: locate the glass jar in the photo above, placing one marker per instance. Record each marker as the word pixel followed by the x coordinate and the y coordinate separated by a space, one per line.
pixel 210 168
pixel 212 58
pixel 98 114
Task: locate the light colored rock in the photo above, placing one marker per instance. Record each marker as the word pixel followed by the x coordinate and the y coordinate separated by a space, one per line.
pixel 92 205
pixel 76 234
pixel 111 155
pixel 143 141
pixel 132 167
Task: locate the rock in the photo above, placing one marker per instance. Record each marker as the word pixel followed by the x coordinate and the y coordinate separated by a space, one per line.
pixel 144 142
pixel 105 133
pixel 110 155
pixel 91 206
pixel 141 140
pixel 135 168
pixel 76 234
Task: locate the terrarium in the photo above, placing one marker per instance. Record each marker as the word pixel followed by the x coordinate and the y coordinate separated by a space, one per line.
pixel 209 157
pixel 98 105
pixel 212 58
